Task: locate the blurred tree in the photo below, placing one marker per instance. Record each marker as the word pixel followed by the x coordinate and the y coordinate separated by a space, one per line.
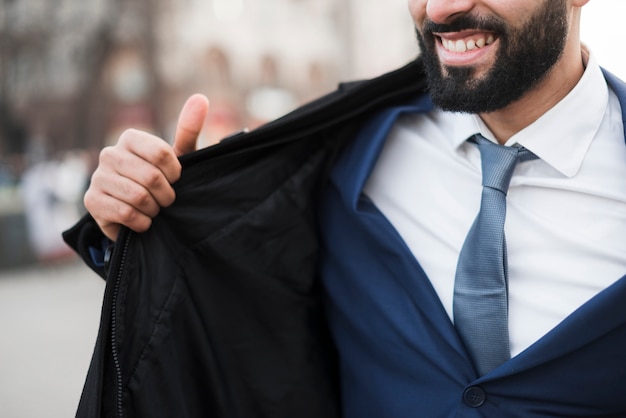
pixel 53 56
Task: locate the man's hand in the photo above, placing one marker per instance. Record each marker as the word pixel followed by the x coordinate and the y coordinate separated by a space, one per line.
pixel 133 179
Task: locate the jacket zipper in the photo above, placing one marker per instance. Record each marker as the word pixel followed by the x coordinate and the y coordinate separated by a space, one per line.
pixel 118 268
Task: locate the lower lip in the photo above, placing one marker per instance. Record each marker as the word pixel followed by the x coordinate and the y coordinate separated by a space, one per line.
pixel 470 57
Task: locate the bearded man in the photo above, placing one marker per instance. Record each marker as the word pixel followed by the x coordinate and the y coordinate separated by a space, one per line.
pixel 350 258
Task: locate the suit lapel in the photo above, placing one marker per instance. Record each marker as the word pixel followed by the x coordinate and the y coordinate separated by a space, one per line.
pixel 619 87
pixel 350 174
pixel 601 315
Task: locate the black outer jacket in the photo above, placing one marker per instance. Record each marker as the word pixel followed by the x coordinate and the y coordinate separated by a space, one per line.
pixel 216 310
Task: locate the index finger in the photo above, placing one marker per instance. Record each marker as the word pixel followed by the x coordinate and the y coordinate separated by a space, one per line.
pixel 152 149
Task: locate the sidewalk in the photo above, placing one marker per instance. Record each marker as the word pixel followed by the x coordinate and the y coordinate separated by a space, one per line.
pixel 49 319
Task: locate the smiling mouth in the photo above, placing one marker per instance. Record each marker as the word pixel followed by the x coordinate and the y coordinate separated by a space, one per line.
pixel 466 44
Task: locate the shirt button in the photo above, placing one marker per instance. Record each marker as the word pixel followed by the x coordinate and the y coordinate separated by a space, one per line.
pixel 474 397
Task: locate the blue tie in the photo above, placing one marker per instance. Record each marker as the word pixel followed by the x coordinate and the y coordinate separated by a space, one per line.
pixel 480 304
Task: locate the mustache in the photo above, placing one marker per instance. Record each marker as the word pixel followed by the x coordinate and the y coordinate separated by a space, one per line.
pixel 465 22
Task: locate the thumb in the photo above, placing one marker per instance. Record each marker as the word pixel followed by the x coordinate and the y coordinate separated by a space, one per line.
pixel 190 122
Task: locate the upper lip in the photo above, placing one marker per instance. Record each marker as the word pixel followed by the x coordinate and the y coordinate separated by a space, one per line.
pixel 466 34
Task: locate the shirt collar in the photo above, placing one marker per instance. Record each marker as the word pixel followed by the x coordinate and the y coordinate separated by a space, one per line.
pixel 570 125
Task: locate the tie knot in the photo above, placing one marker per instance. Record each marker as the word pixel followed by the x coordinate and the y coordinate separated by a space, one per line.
pixel 498 162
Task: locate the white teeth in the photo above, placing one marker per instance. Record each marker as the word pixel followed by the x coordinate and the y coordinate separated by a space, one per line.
pixel 462 46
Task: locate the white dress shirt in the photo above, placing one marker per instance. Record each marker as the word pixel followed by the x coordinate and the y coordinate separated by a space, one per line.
pixel 566 212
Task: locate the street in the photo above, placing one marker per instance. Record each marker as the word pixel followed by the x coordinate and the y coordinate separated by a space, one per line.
pixel 49 319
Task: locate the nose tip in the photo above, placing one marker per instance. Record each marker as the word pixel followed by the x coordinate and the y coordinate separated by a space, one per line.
pixel 441 11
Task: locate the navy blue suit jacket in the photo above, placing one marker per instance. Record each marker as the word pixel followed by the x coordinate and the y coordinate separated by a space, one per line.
pixel 399 353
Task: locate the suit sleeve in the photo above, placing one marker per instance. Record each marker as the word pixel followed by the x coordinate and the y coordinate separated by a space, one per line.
pixel 90 243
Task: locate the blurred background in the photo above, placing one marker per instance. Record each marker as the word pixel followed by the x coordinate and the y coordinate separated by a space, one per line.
pixel 75 73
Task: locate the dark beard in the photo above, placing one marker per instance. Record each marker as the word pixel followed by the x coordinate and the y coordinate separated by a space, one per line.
pixel 525 57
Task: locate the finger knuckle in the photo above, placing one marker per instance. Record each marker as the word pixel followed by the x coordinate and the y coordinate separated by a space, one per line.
pixel 162 155
pixel 106 155
pixel 141 197
pixel 127 135
pixel 153 178
pixel 126 215
pixel 88 200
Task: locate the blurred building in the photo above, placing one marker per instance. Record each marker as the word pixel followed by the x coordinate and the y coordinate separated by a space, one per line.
pixel 75 73
pixel 256 59
pixel 72 73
